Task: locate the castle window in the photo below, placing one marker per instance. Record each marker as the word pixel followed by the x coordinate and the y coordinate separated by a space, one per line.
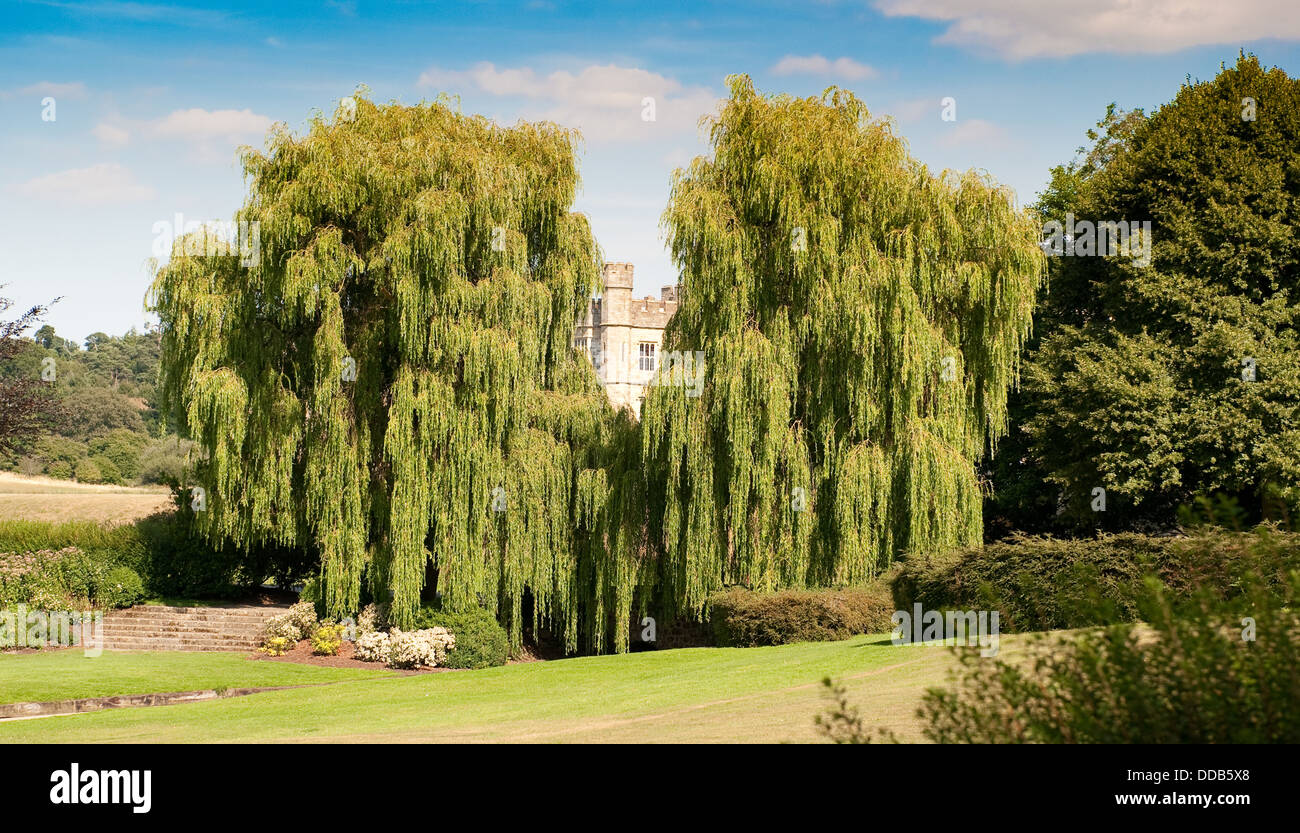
pixel 595 312
pixel 646 355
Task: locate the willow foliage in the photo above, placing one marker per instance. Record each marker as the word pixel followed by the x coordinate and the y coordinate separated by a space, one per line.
pixel 392 384
pixel 861 321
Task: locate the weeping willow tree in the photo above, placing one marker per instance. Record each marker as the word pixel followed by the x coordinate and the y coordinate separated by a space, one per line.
pixel 389 381
pixel 860 320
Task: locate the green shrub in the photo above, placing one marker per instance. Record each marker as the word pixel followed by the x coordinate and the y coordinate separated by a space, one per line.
pixel 1196 674
pixel 1042 583
pixel 120 448
pixel 743 618
pixel 121 587
pixel 163 461
pixel 481 642
pixel 67 578
pixel 60 469
pixel 88 472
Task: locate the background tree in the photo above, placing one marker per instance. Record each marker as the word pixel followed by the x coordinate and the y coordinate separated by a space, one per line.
pixel 27 405
pixel 393 384
pixel 861 319
pixel 1142 384
pixel 1022 499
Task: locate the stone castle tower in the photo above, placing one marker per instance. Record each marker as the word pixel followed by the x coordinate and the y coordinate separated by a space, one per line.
pixel 622 335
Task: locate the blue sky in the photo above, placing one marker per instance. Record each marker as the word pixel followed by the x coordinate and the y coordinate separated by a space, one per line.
pixel 151 100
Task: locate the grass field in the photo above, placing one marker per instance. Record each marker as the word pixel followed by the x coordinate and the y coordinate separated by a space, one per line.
pixel 47 499
pixel 689 695
pixel 69 674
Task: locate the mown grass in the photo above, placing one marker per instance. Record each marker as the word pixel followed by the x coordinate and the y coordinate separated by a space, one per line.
pixel 692 695
pixel 70 674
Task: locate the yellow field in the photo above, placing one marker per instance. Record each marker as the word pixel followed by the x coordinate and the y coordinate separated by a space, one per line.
pixel 47 499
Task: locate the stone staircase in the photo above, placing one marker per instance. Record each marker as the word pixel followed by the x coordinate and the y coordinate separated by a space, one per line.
pixel 163 628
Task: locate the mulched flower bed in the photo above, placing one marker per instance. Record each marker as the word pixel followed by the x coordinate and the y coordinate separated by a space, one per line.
pixel 344 659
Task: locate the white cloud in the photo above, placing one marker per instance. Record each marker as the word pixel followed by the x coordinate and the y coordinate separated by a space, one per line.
pixel 212 135
pixel 103 184
pixel 198 124
pixel 1019 29
pixel 974 132
pixel 110 134
pixel 604 102
pixel 845 68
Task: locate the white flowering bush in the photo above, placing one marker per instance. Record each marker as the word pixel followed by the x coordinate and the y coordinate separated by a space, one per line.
pixel 371 619
pixel 419 649
pixel 303 614
pixel 281 627
pixel 372 647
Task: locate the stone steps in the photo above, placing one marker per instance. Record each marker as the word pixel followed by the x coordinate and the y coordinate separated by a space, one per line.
pixel 162 628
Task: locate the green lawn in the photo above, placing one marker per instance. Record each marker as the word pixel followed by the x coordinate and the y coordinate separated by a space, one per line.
pixel 691 695
pixel 70 674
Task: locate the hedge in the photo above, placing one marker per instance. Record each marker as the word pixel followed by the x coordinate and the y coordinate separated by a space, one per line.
pixel 743 618
pixel 1045 583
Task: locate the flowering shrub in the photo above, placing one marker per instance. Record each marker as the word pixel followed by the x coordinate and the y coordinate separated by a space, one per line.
pixel 419 649
pixel 373 646
pixel 65 577
pixel 303 614
pixel 326 640
pixel 277 646
pixel 282 627
pixel 371 619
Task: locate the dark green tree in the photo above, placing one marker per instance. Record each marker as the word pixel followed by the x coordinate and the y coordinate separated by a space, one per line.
pixel 1161 381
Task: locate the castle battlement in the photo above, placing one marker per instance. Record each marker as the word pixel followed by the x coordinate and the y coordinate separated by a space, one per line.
pixel 622 335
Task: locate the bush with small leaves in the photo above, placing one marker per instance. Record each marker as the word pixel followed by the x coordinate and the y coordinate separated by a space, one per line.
pixel 303 614
pixel 278 646
pixel 121 587
pixel 480 641
pixel 281 627
pixel 373 647
pixel 425 648
pixel 371 619
pixel 327 639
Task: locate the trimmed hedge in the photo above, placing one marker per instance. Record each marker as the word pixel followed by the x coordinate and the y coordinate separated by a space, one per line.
pixel 1043 583
pixel 743 618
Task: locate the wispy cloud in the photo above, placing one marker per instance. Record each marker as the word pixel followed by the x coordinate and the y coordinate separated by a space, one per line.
pixel 111 134
pixel 606 103
pixel 1020 29
pixel 144 12
pixel 844 68
pixel 974 132
pixel 212 135
pixel 103 184
pixel 70 89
